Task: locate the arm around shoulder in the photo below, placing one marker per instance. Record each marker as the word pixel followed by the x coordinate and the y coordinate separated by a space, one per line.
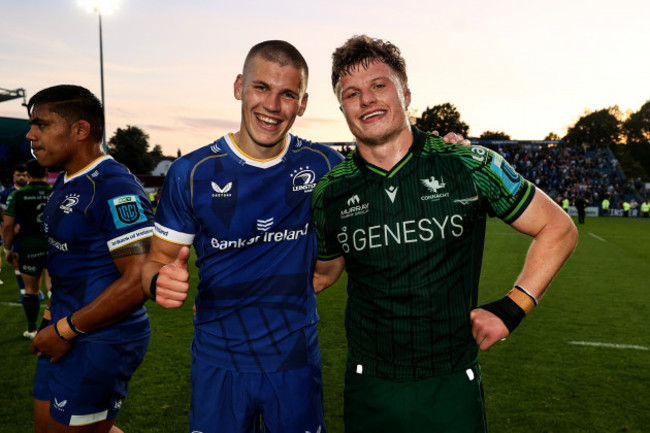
pixel 327 272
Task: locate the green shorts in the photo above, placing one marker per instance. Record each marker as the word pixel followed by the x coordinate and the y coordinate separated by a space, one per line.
pixel 32 261
pixel 441 404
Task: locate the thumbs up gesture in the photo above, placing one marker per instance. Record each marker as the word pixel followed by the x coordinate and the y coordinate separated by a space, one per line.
pixel 172 284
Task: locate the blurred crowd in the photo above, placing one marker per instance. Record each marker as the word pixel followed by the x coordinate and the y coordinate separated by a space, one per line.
pixel 575 173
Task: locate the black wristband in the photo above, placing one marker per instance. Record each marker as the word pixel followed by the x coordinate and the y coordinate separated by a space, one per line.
pixel 507 310
pixel 152 286
pixel 73 327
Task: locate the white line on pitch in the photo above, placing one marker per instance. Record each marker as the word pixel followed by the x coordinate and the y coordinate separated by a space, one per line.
pixel 610 345
pixel 597 237
pixel 11 304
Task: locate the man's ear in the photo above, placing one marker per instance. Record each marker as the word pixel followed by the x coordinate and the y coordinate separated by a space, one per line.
pixel 238 87
pixel 303 104
pixel 81 129
pixel 407 97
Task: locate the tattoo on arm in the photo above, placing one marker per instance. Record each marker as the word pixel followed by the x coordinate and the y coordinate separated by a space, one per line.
pixel 133 249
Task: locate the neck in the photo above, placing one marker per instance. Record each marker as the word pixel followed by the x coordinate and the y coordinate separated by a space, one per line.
pixel 257 151
pixel 83 159
pixel 388 153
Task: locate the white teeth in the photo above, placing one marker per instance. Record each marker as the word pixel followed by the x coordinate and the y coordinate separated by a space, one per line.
pixel 267 120
pixel 373 114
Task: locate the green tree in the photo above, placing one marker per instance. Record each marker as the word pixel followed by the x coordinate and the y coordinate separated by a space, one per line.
pixel 636 130
pixel 637 127
pixel 130 146
pixel 599 128
pixel 494 135
pixel 552 136
pixel 443 118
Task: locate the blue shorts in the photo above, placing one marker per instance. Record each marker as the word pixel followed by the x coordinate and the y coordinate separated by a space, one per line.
pixel 234 402
pixel 90 382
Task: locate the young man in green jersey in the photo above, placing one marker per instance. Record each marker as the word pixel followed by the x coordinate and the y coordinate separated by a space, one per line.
pixel 405 215
pixel 25 205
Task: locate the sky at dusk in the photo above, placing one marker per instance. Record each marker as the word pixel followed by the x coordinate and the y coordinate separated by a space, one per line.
pixel 526 68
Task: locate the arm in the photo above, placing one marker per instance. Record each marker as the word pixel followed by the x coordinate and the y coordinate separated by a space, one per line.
pixel 8 224
pixel 554 239
pixel 327 272
pixel 116 302
pixel 169 261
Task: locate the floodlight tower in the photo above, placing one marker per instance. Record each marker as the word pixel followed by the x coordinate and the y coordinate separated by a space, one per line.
pixel 101 7
pixel 8 95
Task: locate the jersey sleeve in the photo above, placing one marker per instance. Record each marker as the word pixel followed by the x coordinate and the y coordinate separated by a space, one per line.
pixel 506 192
pixel 328 248
pixel 10 205
pixel 174 220
pixel 124 214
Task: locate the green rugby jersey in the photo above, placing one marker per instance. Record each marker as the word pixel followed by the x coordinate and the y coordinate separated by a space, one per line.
pixel 412 239
pixel 26 205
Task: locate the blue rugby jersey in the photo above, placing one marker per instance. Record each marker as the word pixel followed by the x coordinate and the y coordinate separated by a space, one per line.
pixel 250 225
pixel 89 214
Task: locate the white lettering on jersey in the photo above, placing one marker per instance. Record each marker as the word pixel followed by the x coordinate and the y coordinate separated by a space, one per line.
pixel 402 232
pixel 267 237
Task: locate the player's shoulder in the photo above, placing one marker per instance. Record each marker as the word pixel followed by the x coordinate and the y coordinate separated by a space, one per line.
pixel 298 143
pixel 105 177
pixel 349 167
pixel 6 193
pixel 191 159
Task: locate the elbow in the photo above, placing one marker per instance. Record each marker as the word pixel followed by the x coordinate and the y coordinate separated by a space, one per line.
pixel 570 237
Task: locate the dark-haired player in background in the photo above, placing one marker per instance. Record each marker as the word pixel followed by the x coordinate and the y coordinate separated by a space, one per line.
pixel 27 205
pixel 19 179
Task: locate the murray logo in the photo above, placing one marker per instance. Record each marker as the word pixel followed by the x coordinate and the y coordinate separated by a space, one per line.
pixel 69 202
pixel 392 192
pixel 304 180
pixel 433 185
pixel 264 225
pixel 126 210
pixel 355 207
pixel 353 200
pixel 221 192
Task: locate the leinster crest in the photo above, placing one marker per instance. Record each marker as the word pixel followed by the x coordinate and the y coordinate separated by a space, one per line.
pixel 126 210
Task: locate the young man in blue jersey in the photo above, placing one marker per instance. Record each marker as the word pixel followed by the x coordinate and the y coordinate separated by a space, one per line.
pixel 243 203
pixel 98 222
pixel 405 216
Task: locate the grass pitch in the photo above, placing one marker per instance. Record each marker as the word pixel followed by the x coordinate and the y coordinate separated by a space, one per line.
pixel 579 363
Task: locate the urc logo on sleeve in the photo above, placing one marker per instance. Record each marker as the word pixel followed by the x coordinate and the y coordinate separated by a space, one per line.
pixel 126 210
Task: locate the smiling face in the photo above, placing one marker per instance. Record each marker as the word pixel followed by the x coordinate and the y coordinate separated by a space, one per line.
pixel 272 96
pixel 374 103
